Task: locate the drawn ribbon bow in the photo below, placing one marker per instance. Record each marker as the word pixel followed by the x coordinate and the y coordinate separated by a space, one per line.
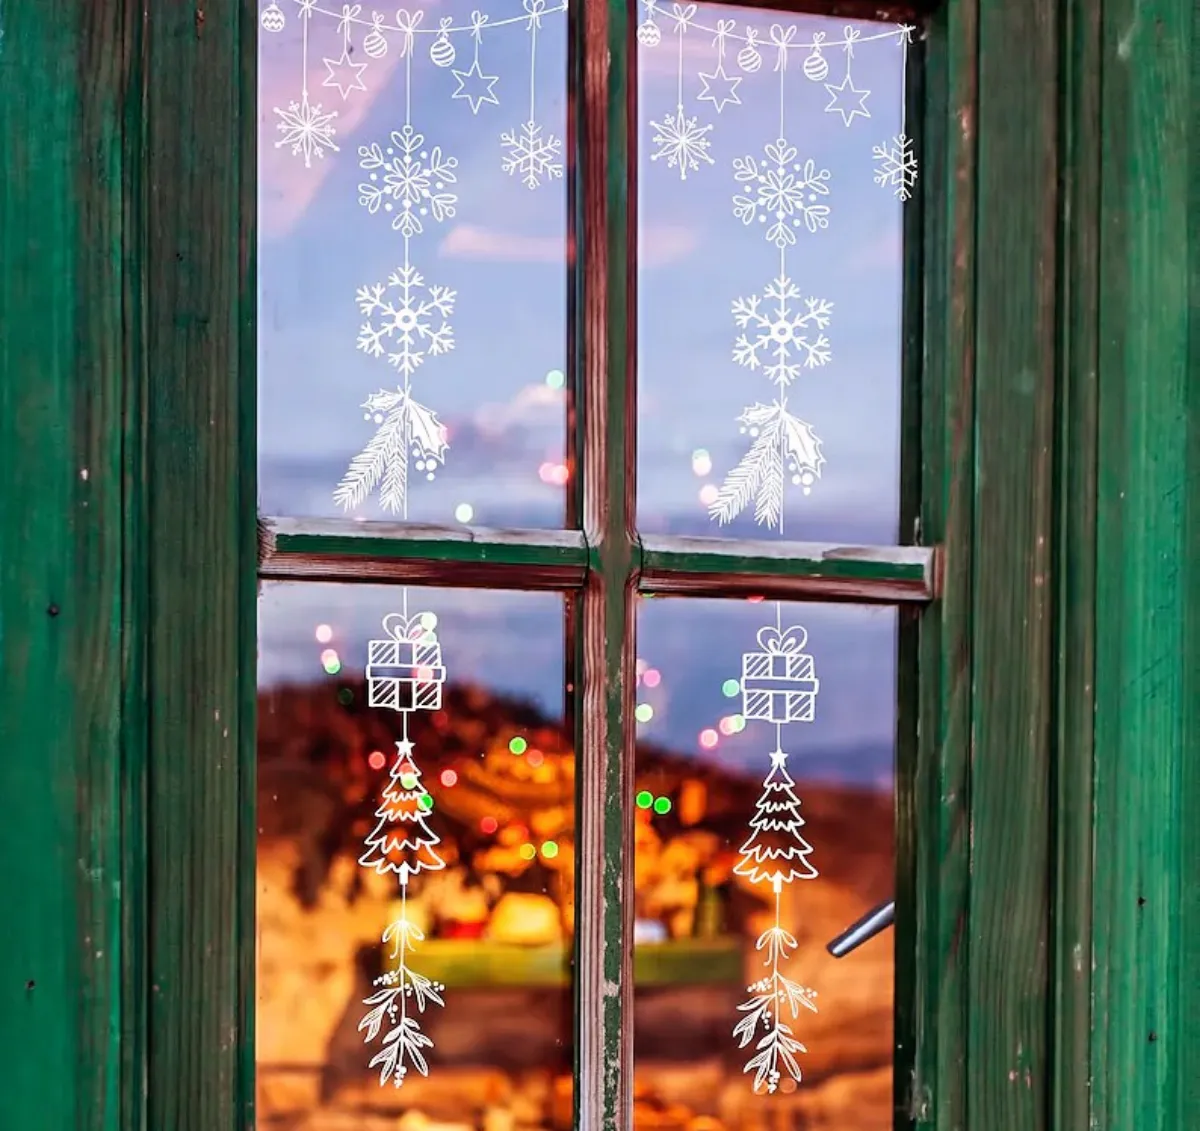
pixel 777 643
pixel 405 629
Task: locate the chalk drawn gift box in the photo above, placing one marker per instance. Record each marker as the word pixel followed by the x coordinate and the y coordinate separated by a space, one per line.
pixel 404 671
pixel 778 683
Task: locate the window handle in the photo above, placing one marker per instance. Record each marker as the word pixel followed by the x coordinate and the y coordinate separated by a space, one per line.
pixel 872 923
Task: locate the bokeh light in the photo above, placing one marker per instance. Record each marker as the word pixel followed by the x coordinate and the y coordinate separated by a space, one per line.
pixel 708 494
pixel 709 738
pixel 324 634
pixel 643 712
pixel 518 745
pixel 645 799
pixel 464 512
pixel 376 759
pixel 701 462
pixel 449 778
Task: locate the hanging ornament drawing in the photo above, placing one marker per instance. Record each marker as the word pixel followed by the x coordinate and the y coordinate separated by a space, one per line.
pixel 782 329
pixel 648 33
pixel 681 141
pixel 474 86
pixel 895 160
pixel 272 18
pixel 816 66
pixel 720 88
pixel 748 57
pixel 530 151
pixel 404 674
pixel 844 97
pixel 779 686
pixel 375 43
pixel 442 53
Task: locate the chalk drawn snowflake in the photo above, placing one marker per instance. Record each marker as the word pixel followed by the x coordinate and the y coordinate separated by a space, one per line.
pixel 532 154
pixel 306 129
pixel 896 166
pixel 406 314
pixel 790 338
pixel 778 185
pixel 682 142
pixel 408 179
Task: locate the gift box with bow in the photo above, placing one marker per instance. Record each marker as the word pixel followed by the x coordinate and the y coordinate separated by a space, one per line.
pixel 404 670
pixel 778 683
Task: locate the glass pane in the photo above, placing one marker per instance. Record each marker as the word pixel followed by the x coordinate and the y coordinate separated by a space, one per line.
pixel 764 811
pixel 769 284
pixel 412 261
pixel 415 860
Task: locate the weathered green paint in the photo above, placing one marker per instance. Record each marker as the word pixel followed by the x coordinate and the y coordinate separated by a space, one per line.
pixel 1012 612
pixel 932 782
pixel 1060 472
pixel 62 662
pixel 199 461
pixel 1075 569
pixel 1147 764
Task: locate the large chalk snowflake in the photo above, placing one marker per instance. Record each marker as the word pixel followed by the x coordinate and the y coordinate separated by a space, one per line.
pixel 531 153
pixel 896 166
pixel 406 314
pixel 682 142
pixel 778 186
pixel 789 337
pixel 409 180
pixel 306 129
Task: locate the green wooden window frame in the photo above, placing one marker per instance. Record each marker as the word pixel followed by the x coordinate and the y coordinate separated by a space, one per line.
pixel 1048 927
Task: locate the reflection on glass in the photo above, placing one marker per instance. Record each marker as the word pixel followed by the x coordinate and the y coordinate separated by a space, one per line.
pixel 412 261
pixel 764 817
pixel 770 274
pixel 415 860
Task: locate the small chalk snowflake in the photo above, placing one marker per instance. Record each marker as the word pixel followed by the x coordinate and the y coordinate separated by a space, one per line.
pixel 896 166
pixel 415 325
pixel 682 142
pixel 781 331
pixel 779 186
pixel 306 129
pixel 408 179
pixel 532 154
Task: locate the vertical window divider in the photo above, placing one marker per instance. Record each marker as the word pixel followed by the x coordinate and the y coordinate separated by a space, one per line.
pixel 603 374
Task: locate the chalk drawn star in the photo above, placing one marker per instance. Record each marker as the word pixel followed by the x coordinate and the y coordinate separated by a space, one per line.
pixel 841 97
pixel 719 88
pixel 344 75
pixel 476 87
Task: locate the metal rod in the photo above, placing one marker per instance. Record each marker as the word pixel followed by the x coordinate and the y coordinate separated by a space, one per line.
pixel 871 924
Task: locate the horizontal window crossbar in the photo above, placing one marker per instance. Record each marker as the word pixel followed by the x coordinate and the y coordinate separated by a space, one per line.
pixel 560 560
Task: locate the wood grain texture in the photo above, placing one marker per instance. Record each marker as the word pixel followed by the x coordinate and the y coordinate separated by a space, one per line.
pixel 199 91
pixel 62 224
pixel 1147 910
pixel 604 226
pixel 719 567
pixel 1013 610
pixel 1075 558
pixel 933 777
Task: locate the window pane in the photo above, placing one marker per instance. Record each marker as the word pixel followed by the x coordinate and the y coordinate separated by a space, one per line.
pixel 415 860
pixel 764 815
pixel 412 261
pixel 770 273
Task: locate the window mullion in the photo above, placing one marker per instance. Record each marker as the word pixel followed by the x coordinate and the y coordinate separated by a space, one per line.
pixel 602 43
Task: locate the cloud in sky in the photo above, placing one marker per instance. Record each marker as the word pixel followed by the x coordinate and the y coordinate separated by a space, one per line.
pixel 659 245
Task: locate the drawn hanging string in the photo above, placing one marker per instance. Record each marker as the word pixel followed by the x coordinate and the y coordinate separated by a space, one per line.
pixel 679 140
pixel 779 685
pixel 474 86
pixel 530 151
pixel 304 126
pixel 719 87
pixel 783 331
pixel 310 131
pixel 896 161
pixel 845 98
